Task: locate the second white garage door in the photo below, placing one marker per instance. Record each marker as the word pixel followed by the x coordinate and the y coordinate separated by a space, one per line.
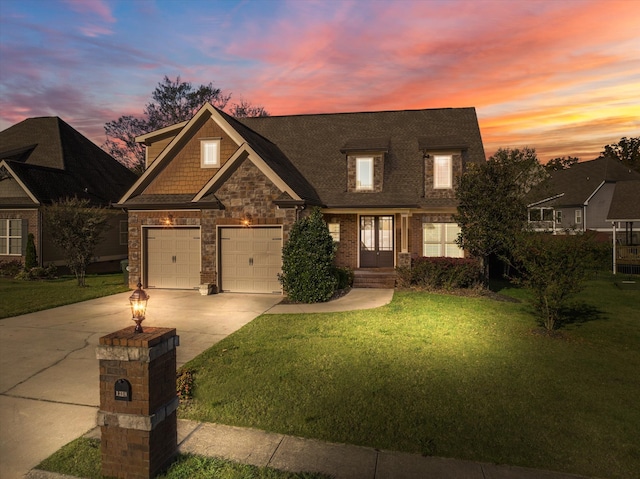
pixel 173 258
pixel 250 259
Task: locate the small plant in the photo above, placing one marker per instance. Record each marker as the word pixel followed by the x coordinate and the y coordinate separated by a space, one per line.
pixel 11 268
pixel 37 272
pixel 30 258
pixel 184 383
pixel 344 276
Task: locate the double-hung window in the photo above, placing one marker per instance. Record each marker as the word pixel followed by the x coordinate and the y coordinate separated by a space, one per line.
pixel 364 173
pixel 10 236
pixel 442 171
pixel 578 217
pixel 439 239
pixel 210 153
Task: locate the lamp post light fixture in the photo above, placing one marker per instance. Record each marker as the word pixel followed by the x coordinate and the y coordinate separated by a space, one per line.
pixel 138 301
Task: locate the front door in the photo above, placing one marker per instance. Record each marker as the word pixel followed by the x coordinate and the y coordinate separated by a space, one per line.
pixel 376 241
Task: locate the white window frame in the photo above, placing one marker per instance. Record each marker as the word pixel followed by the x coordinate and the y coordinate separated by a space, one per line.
pixel 558 216
pixel 442 172
pixel 334 231
pixel 360 162
pixel 124 232
pixel 6 237
pixel 443 239
pixel 578 217
pixel 210 153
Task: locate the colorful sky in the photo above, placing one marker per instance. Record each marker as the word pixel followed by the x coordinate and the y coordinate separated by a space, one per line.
pixel 562 76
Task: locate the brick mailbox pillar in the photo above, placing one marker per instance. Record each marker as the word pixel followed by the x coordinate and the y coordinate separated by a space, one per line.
pixel 138 401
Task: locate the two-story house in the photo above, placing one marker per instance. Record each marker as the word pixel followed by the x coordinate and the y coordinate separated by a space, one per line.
pixel 219 194
pixel 43 160
pixel 579 198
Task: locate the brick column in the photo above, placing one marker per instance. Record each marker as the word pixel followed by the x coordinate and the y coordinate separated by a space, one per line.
pixel 138 401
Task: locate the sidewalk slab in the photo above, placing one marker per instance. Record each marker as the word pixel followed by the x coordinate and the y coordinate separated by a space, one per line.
pixel 397 465
pixel 244 445
pixel 341 461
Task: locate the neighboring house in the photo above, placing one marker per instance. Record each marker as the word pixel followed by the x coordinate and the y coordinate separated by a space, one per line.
pixel 623 213
pixel 44 160
pixel 219 195
pixel 579 198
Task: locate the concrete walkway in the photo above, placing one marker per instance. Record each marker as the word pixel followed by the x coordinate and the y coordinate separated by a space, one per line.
pixel 49 389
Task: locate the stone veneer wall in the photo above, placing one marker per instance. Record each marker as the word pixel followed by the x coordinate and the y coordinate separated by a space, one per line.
pixel 430 191
pixel 378 174
pixel 248 193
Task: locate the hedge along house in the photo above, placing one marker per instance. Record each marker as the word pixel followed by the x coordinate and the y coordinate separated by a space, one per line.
pixel 43 160
pixel 219 194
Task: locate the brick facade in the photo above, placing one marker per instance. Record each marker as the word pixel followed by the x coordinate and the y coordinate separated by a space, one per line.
pixel 378 173
pixel 138 435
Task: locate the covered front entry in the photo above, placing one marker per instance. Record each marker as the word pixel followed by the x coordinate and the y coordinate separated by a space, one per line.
pixel 173 258
pixel 250 259
pixel 376 242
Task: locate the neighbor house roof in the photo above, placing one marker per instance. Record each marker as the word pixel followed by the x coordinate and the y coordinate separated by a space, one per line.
pixel 575 185
pixel 53 160
pixel 625 203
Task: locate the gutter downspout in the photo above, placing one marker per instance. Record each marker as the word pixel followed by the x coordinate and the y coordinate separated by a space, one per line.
pixel 614 247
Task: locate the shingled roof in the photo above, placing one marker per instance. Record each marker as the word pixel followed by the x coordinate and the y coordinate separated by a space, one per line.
pixel 316 145
pixel 625 203
pixel 573 186
pixel 54 161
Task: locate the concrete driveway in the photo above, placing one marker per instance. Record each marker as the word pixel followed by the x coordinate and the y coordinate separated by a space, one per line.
pixel 49 372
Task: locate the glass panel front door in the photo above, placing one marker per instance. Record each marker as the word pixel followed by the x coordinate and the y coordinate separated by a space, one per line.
pixel 376 241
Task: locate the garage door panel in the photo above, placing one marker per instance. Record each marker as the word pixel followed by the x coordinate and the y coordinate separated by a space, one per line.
pixel 251 259
pixel 173 258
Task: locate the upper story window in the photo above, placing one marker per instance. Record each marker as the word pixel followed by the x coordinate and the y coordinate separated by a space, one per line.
pixel 442 171
pixel 10 236
pixel 364 173
pixel 210 153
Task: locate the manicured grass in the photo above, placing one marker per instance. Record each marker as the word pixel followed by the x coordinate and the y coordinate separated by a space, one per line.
pixel 81 458
pixel 21 297
pixel 470 378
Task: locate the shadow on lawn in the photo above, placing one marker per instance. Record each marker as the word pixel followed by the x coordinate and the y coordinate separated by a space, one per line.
pixel 579 313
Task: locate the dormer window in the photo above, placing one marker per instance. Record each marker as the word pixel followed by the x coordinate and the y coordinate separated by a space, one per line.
pixel 442 172
pixel 364 173
pixel 210 153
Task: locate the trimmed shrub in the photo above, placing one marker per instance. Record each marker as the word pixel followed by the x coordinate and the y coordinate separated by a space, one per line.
pixel 37 273
pixel 31 258
pixel 344 276
pixel 441 273
pixel 307 261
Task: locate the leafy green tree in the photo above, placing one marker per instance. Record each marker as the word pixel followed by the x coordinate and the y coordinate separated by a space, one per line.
pixel 76 228
pixel 561 163
pixel 491 202
pixel 172 102
pixel 31 258
pixel 626 150
pixel 307 261
pixel 553 267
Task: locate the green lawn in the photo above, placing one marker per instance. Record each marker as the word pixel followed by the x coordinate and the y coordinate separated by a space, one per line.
pixel 81 458
pixel 452 376
pixel 21 297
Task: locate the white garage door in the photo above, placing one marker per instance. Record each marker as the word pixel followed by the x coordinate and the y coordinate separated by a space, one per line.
pixel 250 259
pixel 173 258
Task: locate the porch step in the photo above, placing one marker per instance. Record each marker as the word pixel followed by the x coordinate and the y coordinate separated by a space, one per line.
pixel 384 278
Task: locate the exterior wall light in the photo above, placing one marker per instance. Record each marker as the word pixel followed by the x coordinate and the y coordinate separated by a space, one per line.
pixel 138 301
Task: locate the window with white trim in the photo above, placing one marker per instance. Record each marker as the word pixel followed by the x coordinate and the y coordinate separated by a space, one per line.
pixel 558 216
pixel 364 173
pixel 11 236
pixel 578 217
pixel 210 153
pixel 334 231
pixel 124 232
pixel 439 239
pixel 442 171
